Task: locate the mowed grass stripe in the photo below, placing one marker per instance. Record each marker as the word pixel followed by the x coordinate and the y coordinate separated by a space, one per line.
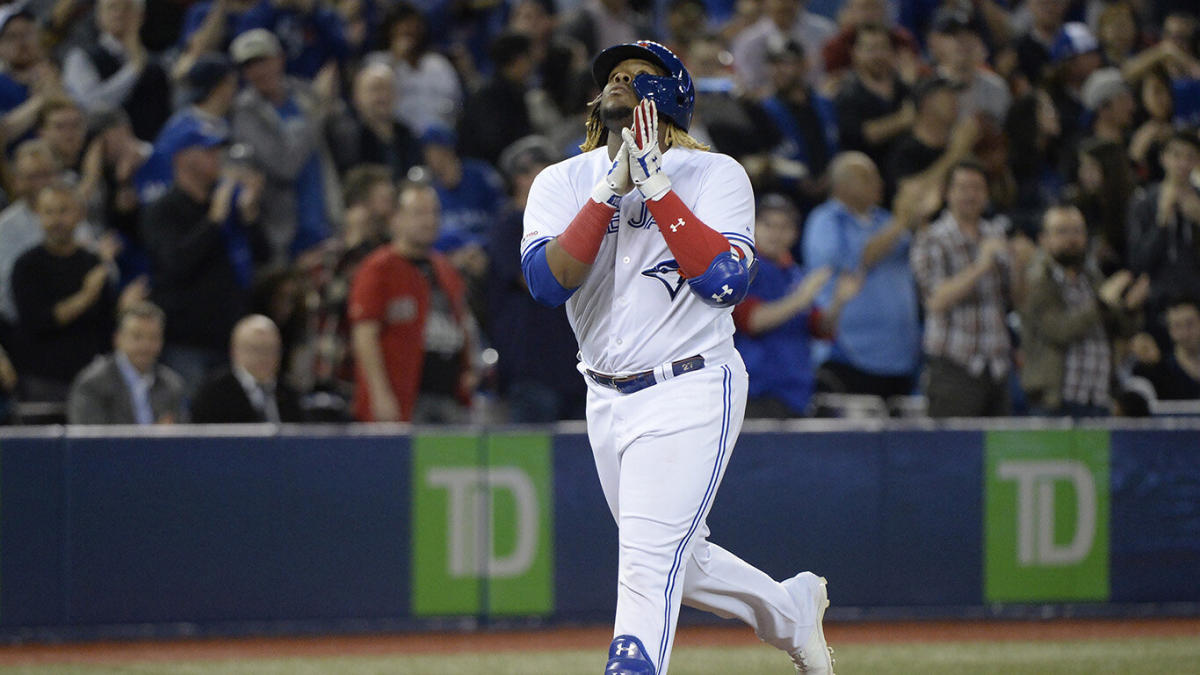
pixel 1157 656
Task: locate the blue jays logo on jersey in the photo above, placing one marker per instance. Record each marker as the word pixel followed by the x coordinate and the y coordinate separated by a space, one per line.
pixel 667 272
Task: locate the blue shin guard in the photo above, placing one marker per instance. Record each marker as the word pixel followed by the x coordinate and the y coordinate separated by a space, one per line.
pixel 627 656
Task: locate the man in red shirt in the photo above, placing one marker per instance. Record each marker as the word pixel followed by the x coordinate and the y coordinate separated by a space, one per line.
pixel 411 326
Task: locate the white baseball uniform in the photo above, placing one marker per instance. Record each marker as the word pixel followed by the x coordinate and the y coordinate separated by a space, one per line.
pixel 661 452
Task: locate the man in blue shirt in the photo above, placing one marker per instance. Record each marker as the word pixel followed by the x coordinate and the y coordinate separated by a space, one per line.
pixel 878 339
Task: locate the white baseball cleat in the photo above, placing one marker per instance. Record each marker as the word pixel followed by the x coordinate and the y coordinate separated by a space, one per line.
pixel 814 657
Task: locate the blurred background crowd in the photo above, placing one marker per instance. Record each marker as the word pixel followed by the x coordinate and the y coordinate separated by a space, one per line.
pixel 309 210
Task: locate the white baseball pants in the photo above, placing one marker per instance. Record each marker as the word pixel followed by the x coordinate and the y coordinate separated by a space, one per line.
pixel 661 454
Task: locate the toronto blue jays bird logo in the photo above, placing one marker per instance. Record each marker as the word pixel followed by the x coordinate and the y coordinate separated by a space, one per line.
pixel 667 272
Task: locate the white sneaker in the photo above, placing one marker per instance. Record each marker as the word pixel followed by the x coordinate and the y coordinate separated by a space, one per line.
pixel 815 657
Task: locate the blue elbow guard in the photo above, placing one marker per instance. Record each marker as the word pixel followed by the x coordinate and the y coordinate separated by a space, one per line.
pixel 724 283
pixel 542 285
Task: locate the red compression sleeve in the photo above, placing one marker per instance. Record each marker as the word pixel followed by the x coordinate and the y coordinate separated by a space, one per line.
pixel 693 243
pixel 582 238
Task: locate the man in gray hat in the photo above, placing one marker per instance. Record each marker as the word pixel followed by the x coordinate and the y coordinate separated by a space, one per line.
pixel 282 120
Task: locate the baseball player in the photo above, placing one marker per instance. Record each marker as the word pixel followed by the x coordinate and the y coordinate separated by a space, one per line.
pixel 649 240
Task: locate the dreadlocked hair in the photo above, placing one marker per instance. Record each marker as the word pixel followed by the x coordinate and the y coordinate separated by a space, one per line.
pixel 597 133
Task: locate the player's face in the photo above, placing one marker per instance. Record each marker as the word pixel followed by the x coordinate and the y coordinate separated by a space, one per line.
pixel 1183 325
pixel 618 98
pixel 140 339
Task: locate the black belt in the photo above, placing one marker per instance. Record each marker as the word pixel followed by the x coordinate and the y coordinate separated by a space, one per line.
pixel 627 384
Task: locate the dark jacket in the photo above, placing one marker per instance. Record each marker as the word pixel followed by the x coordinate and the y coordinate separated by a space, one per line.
pixel 221 399
pixel 1049 327
pixel 193 278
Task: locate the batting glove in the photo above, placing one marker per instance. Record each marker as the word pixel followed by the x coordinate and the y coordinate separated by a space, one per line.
pixel 616 182
pixel 645 165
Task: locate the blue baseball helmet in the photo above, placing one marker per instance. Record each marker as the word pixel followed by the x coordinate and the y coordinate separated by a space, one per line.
pixel 673 94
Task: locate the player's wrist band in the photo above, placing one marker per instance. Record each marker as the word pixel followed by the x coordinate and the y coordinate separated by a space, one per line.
pixel 581 240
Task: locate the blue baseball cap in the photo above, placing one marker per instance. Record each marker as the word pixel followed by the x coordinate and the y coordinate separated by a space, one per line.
pixel 206 73
pixel 439 135
pixel 192 132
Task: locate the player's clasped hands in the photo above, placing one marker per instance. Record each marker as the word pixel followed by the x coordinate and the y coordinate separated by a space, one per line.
pixel 645 157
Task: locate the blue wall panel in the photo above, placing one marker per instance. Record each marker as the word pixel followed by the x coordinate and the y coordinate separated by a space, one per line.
pixel 32 532
pixel 932 519
pixel 219 529
pixel 794 502
pixel 585 535
pixel 1155 540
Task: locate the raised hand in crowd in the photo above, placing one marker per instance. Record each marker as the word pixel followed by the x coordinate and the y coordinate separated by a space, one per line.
pixel 1173 195
pixel 992 251
pixel 1145 349
pixel 967 132
pixel 917 200
pixel 1137 293
pixel 1114 287
pixel 249 199
pixel 222 200
pixel 806 291
pixel 108 247
pixel 131 40
pixel 846 287
pixel 326 86
pixel 134 292
pixel 46 80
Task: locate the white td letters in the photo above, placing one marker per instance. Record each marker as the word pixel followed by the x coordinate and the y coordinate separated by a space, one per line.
pixel 471 537
pixel 1035 510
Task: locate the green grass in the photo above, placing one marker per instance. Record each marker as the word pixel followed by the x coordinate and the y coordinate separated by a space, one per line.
pixel 1159 656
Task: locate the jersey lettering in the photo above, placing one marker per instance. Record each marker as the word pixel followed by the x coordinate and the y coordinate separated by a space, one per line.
pixel 642 220
pixel 614 223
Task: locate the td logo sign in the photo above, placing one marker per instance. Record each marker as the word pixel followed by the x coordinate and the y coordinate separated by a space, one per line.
pixel 482 530
pixel 1046 516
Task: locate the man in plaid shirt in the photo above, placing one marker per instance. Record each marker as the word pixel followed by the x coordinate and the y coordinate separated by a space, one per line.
pixel 1067 318
pixel 966 278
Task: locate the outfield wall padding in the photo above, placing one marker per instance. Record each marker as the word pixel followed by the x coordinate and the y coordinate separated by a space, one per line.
pixel 189 530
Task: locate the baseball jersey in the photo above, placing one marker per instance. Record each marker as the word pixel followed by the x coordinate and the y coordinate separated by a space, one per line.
pixel 634 311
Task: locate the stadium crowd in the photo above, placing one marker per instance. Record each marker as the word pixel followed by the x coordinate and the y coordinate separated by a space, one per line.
pixel 309 210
